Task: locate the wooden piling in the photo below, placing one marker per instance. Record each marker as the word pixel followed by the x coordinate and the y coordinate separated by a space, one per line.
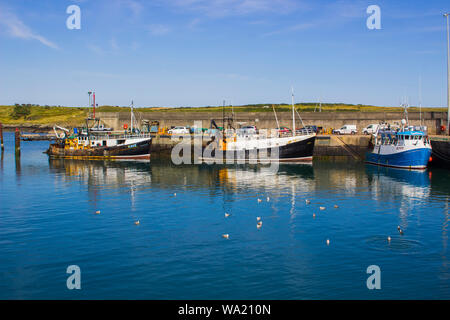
pixel 17 142
pixel 1 137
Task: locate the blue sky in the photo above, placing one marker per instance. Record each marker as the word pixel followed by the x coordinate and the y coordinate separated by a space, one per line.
pixel 200 52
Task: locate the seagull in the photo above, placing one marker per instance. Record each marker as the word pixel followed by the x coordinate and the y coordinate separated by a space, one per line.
pixel 314 215
pixel 400 230
pixel 97 212
pixel 175 194
pixel 258 218
pixel 389 239
pixel 259 225
pixel 322 208
pixel 259 200
pixel 268 199
pixel 137 222
pixel 226 236
pixel 227 215
pixel 336 206
pixel 328 242
pixel 307 201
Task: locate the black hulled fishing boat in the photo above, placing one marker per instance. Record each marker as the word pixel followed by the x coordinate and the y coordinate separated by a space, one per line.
pixel 99 142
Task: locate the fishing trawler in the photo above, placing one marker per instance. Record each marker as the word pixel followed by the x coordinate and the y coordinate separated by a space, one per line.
pixel 407 147
pixel 264 148
pixel 99 142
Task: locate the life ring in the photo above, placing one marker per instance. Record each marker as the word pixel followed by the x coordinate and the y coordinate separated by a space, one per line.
pixel 442 128
pixel 125 126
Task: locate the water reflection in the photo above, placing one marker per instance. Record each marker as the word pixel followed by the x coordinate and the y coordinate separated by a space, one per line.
pixel 18 165
pixel 178 251
pixel 382 183
pixel 103 173
pixel 391 183
pixel 166 175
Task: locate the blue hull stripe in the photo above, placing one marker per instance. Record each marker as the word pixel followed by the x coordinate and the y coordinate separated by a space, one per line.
pixel 417 158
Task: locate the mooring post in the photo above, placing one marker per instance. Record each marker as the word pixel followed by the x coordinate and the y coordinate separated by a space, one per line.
pixel 17 140
pixel 1 137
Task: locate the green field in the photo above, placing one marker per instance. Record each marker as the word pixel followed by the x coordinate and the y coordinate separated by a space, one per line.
pixel 73 116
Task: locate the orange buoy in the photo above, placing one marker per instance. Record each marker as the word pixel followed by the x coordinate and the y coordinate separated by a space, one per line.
pixel 125 126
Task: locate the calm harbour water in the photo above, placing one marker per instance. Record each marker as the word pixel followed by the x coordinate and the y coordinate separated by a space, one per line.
pixel 48 222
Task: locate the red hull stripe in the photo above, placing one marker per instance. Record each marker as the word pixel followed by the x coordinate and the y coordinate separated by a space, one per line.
pixel 135 157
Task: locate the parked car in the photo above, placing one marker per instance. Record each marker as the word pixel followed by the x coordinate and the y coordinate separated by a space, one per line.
pixel 370 129
pixel 308 130
pixel 179 130
pixel 247 130
pixel 347 129
pixel 283 130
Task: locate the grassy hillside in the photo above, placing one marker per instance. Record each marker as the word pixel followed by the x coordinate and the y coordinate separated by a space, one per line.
pixel 40 115
pixel 72 116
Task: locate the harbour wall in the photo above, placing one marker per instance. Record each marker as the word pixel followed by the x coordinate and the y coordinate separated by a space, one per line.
pixel 266 120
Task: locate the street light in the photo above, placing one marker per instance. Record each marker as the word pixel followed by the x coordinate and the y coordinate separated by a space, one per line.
pixel 448 73
pixel 89 93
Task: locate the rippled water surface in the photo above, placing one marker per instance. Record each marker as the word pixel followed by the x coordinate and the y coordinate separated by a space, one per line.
pixel 48 222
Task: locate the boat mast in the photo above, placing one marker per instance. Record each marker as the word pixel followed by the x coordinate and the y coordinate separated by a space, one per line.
pixel 132 116
pixel 223 117
pixel 405 106
pixel 276 118
pixel 94 105
pixel 293 113
pixel 448 72
pixel 420 100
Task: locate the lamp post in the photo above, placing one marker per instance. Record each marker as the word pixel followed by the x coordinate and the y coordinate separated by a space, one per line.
pixel 448 73
pixel 89 106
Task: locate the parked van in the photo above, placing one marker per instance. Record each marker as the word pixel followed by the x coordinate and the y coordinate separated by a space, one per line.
pixel 179 130
pixel 347 129
pixel 370 129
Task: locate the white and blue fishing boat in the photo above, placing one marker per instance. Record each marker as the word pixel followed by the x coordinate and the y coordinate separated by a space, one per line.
pixel 406 148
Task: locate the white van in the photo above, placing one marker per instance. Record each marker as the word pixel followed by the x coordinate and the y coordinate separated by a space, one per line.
pixel 347 129
pixel 370 129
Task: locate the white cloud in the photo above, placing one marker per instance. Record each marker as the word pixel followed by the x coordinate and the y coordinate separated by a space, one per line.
pixel 16 28
pixel 114 44
pixel 96 49
pixel 158 29
pixel 194 23
pixel 297 27
pixel 134 6
pixel 222 8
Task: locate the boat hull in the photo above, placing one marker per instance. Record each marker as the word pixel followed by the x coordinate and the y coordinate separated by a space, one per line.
pixel 441 152
pixel 134 151
pixel 410 159
pixel 296 152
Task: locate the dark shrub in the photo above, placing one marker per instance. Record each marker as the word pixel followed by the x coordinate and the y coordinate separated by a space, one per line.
pixel 21 110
